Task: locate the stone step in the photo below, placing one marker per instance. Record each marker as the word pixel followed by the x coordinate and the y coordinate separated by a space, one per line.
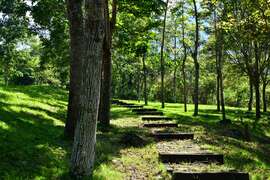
pixel 169 136
pixel 133 106
pixel 156 118
pixel 160 125
pixel 149 113
pixel 210 176
pixel 143 110
pixel 194 157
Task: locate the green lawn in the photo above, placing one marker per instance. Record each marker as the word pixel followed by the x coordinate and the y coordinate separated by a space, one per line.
pixel 32 145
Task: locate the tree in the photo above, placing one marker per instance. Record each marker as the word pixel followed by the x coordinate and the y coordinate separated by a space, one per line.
pixel 105 98
pixel 75 15
pixel 89 18
pixel 196 63
pixel 161 55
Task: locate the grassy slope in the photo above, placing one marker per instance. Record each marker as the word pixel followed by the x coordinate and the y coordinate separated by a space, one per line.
pixel 32 144
pixel 250 156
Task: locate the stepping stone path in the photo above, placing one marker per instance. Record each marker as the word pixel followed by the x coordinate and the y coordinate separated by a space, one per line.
pixel 176 149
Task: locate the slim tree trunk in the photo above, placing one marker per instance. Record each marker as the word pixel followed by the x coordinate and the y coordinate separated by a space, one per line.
pixel 75 15
pixel 145 80
pixel 83 152
pixel 162 69
pixel 216 54
pixel 196 63
pixel 175 64
pixel 264 97
pixel 139 87
pixel 250 102
pixel 174 85
pixel 220 75
pixel 105 98
pixel 184 61
pixel 257 81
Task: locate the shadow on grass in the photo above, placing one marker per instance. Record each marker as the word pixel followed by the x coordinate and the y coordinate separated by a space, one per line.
pixel 241 152
pixel 32 145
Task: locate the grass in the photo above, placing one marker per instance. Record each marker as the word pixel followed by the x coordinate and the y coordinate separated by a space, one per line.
pixel 32 145
pixel 245 155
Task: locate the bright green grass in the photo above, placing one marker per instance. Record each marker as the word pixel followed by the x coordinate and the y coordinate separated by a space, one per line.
pixel 32 145
pixel 250 156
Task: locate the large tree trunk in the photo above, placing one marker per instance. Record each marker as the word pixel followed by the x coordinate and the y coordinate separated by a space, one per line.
pixel 250 102
pixel 145 80
pixel 83 152
pixel 105 98
pixel 257 81
pixel 196 63
pixel 162 69
pixel 76 37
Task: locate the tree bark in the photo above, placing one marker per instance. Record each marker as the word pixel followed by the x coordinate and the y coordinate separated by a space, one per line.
pixel 196 63
pixel 217 69
pixel 220 75
pixel 257 81
pixel 250 102
pixel 264 97
pixel 145 80
pixel 105 98
pixel 183 68
pixel 162 69
pixel 75 15
pixel 83 152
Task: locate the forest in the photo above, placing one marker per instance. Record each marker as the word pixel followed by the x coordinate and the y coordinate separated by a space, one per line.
pixel 135 89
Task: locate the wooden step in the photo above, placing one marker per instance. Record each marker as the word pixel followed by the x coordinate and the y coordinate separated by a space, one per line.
pixel 149 113
pixel 160 125
pixel 120 103
pixel 181 136
pixel 194 157
pixel 210 176
pixel 133 106
pixel 115 101
pixel 143 110
pixel 156 118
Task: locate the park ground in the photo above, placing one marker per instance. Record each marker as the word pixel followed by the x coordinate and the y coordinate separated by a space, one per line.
pixel 32 145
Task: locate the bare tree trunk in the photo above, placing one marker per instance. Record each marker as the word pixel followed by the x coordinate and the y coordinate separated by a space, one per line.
pixel 75 14
pixel 257 81
pixel 264 97
pixel 161 56
pixel 196 63
pixel 145 80
pixel 105 98
pixel 220 75
pixel 174 85
pixel 250 102
pixel 139 87
pixel 184 61
pixel 175 64
pixel 83 152
pixel 217 70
